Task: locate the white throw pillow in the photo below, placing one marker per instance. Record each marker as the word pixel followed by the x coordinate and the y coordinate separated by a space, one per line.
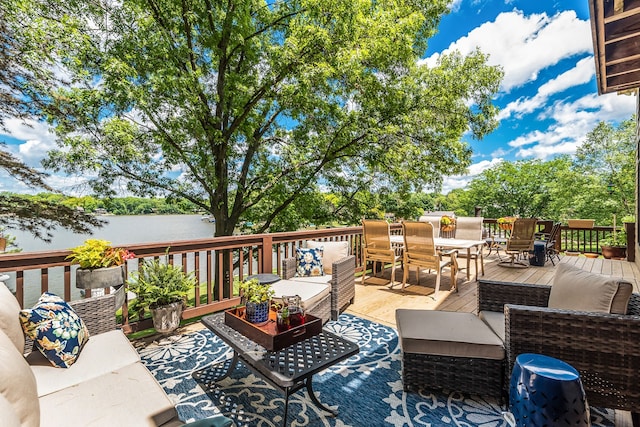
pixel 333 251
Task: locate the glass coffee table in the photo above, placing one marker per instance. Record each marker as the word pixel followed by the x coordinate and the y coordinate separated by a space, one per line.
pixel 289 369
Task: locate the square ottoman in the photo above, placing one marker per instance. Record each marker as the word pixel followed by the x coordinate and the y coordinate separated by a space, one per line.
pixel 450 350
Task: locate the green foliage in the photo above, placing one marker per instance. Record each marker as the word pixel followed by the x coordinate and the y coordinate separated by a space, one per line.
pixel 157 284
pixel 97 253
pixel 254 291
pixel 10 242
pixel 241 109
pixel 617 238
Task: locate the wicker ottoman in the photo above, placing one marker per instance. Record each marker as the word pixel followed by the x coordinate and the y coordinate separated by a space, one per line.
pixel 450 350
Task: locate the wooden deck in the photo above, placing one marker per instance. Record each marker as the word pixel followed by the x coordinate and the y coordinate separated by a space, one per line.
pixel 377 302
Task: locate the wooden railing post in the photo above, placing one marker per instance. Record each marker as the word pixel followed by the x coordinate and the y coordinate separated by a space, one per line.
pixel 630 229
pixel 267 254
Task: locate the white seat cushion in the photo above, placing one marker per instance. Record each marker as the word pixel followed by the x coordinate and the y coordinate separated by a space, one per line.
pixel 321 280
pixel 129 396
pixel 103 353
pixel 9 416
pixel 445 333
pixel 495 320
pixel 310 293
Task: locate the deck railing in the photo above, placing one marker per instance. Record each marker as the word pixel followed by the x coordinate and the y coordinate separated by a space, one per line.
pixel 219 263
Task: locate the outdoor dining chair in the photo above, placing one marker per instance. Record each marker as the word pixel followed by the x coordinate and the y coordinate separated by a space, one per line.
pixel 420 251
pixel 435 221
pixel 470 228
pixel 376 247
pixel 520 242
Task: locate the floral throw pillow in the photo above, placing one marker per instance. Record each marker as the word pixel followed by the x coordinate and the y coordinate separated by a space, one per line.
pixel 58 332
pixel 309 262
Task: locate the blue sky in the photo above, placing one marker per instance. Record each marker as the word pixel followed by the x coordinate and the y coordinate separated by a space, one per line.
pixel 548 98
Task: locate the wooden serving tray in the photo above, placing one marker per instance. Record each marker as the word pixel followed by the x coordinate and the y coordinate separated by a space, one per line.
pixel 267 334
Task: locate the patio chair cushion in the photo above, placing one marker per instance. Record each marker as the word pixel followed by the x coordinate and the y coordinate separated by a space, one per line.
pixel 58 332
pixel 495 320
pixel 9 321
pixel 577 289
pixel 444 333
pixel 332 252
pixel 97 359
pixel 310 293
pixel 129 396
pixel 18 385
pixel 309 262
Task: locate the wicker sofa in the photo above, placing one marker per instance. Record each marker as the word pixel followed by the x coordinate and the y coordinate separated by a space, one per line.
pixel 341 280
pixel 603 347
pixel 107 386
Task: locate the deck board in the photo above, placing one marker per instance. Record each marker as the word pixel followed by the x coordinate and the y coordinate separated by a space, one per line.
pixel 378 303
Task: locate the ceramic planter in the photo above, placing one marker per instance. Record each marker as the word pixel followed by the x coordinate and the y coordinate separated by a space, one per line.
pixel 167 318
pixel 257 312
pixel 100 277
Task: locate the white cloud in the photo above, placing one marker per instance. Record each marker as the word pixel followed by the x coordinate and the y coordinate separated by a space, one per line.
pixel 454 6
pixel 525 45
pixel 582 73
pixel 461 181
pixel 572 122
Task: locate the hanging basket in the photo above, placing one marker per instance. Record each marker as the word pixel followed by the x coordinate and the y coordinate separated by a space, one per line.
pixel 448 227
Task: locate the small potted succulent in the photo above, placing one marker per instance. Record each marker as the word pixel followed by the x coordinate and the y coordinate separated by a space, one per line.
pixel 256 297
pixel 101 265
pixel 162 289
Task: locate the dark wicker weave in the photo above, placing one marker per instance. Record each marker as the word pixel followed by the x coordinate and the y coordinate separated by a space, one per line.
pixel 343 289
pixel 604 348
pixel 469 375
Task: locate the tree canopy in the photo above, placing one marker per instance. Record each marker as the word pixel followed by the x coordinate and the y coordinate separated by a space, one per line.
pixel 244 107
pixel 21 77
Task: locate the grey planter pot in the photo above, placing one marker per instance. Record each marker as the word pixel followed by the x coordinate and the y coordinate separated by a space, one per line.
pixel 167 318
pixel 100 277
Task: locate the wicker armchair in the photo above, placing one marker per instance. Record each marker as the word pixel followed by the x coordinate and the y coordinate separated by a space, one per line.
pixel 343 288
pixel 604 348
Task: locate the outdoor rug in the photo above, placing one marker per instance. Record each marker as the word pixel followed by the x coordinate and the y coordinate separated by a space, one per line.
pixel 366 389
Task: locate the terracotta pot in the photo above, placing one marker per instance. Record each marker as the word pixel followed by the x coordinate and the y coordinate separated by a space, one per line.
pixel 448 227
pixel 505 225
pixel 614 252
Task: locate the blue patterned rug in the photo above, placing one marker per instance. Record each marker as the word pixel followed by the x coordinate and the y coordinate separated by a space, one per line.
pixel 366 389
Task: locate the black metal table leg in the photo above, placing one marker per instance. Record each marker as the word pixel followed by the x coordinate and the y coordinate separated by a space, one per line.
pixel 287 393
pixel 231 367
pixel 314 399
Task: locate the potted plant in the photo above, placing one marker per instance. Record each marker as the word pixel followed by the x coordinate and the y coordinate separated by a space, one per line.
pixel 256 297
pixel 447 223
pixel 162 289
pixel 506 222
pixel 614 247
pixel 101 265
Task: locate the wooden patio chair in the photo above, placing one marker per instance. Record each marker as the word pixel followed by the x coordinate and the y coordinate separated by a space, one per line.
pixel 420 252
pixel 470 228
pixel 520 241
pixel 377 247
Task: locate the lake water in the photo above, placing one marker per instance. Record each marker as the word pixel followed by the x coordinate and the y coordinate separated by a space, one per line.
pixel 120 231
pixel 125 229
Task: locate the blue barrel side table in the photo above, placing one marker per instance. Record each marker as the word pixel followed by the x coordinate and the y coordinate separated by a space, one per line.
pixel 545 391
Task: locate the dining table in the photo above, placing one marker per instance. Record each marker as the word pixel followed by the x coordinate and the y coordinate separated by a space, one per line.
pixel 448 244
